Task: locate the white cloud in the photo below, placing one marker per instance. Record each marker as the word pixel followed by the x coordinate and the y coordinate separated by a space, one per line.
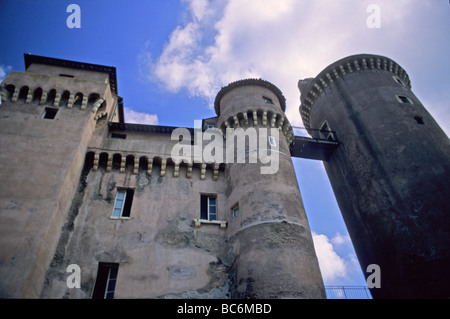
pixel 332 266
pixel 337 260
pixel 282 42
pixel 340 239
pixel 140 117
pixel 4 70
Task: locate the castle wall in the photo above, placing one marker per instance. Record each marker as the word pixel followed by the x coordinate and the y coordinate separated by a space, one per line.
pixel 160 252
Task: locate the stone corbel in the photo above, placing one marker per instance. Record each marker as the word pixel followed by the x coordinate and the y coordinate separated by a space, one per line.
pixel 57 99
pixel 189 170
pixel 43 98
pixel 122 164
pixel 15 95
pixel 163 168
pixel 203 172
pixel 149 167
pixel 96 160
pixel 136 166
pixel 109 163
pixel 70 101
pixel 176 170
pixel 84 102
pixel 97 105
pixel 216 172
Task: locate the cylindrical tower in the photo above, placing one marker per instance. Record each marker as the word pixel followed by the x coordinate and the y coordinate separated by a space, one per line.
pixel 269 231
pixel 389 174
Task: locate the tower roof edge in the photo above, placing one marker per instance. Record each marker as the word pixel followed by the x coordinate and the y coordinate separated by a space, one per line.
pixel 245 82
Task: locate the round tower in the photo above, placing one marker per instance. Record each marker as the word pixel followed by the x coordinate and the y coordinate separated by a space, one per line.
pixel 268 228
pixel 389 174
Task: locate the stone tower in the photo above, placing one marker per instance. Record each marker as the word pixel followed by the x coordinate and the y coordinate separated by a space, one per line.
pixel 48 117
pixel 390 172
pixel 272 242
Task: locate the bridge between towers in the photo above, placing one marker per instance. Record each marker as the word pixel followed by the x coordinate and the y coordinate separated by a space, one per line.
pixel 314 148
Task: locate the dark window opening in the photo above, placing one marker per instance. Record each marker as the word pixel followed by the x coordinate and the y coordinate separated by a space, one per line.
pixel 122 204
pixel 267 100
pixel 66 75
pixel 398 80
pixel 10 88
pixel 118 135
pixel 404 99
pixel 105 284
pixel 50 113
pixel 208 207
pixel 23 93
pixel 51 97
pixel 235 210
pixel 419 119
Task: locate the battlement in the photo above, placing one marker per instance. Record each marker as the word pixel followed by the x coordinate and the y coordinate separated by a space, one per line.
pixel 311 89
pixel 31 94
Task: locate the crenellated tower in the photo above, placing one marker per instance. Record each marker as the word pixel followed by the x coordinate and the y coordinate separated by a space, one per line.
pixel 270 235
pixel 389 173
pixel 48 116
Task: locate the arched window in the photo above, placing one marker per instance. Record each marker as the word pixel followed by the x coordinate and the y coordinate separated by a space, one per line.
pixel 51 97
pixel 143 164
pixel 117 159
pixel 103 160
pixel 10 91
pixel 23 93
pixel 78 99
pixel 37 94
pixel 64 98
pixel 89 160
pixel 129 163
pixel 92 98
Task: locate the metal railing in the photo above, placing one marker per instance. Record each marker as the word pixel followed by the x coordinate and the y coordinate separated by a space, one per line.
pixel 348 292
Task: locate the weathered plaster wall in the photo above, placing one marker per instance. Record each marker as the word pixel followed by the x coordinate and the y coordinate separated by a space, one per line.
pixel 160 252
pixel 40 163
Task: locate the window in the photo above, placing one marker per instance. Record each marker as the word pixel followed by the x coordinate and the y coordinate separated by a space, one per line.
pixel 209 126
pixel 118 135
pixel 398 80
pixel 272 141
pixel 404 99
pixel 208 207
pixel 267 100
pixel 235 211
pixel 122 205
pixel 50 113
pixel 105 284
pixel 66 75
pixel 326 133
pixel 419 119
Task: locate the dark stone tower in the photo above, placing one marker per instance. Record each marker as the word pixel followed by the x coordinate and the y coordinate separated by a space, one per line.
pixel 390 172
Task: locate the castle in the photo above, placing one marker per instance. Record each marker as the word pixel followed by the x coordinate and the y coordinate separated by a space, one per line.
pixel 81 186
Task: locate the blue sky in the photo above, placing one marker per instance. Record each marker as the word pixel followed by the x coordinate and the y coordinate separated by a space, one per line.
pixel 173 56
